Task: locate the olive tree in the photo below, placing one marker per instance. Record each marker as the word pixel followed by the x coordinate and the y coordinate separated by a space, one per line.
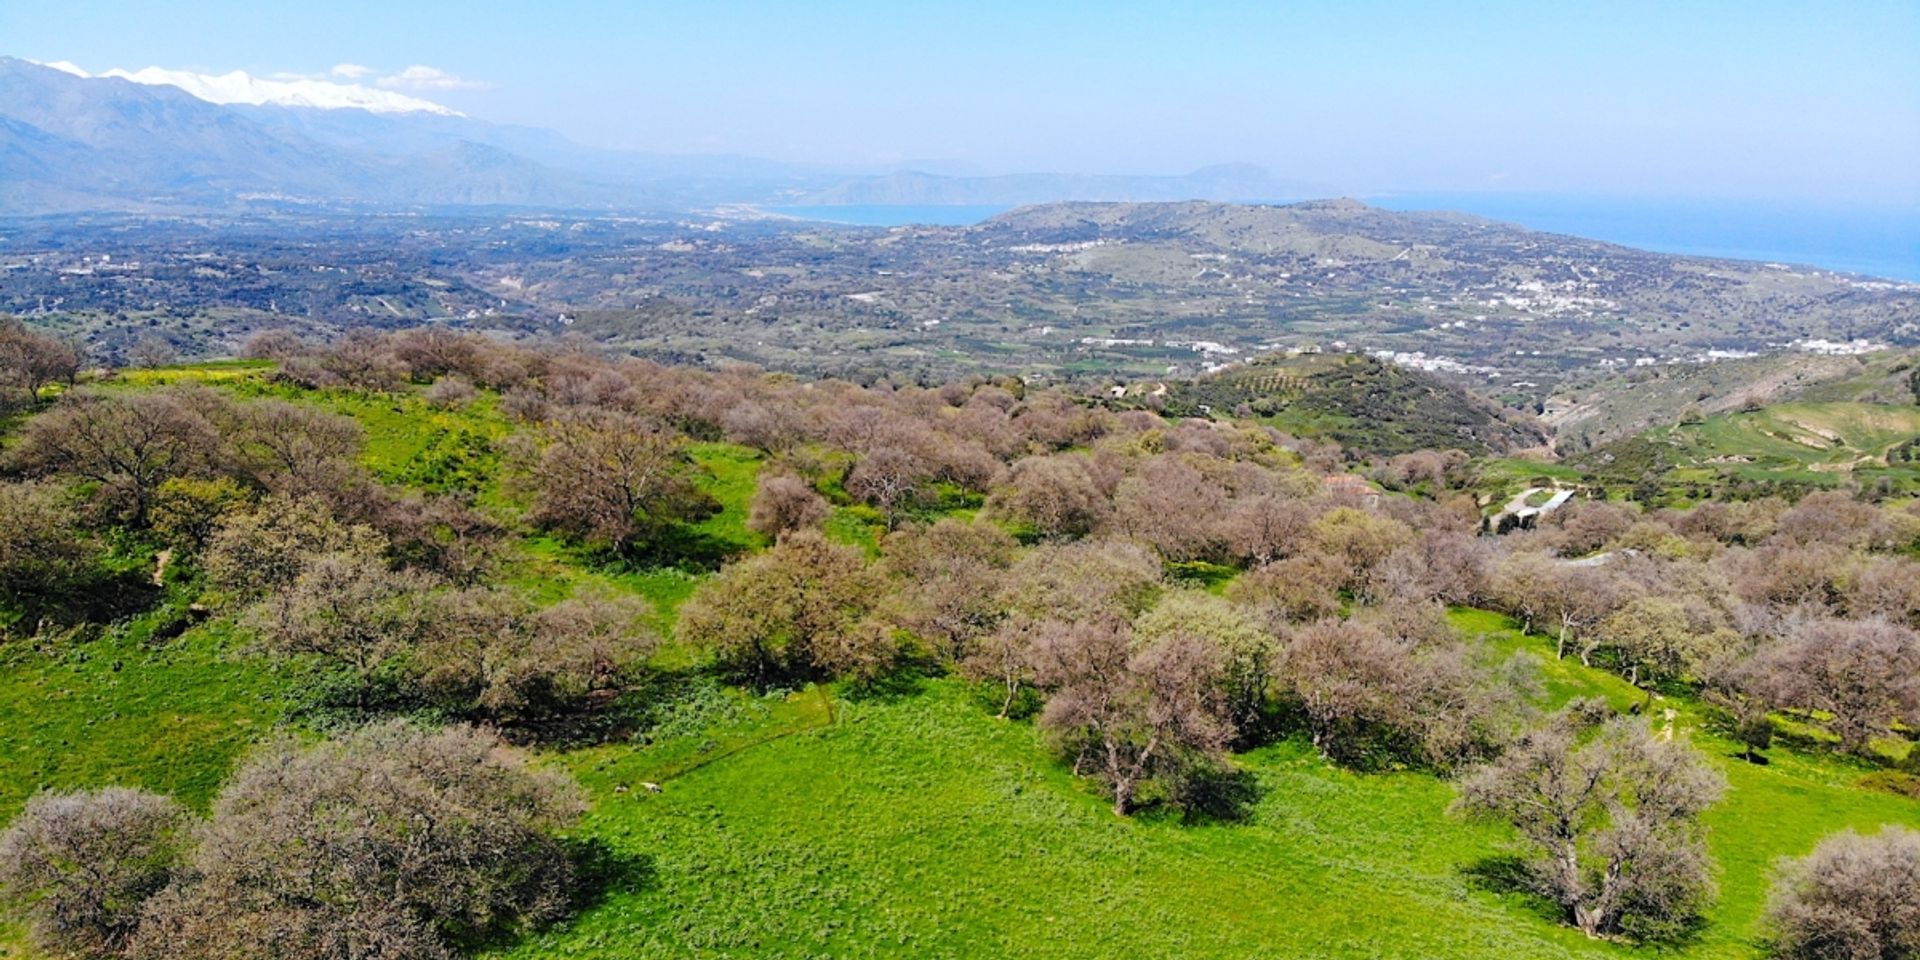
pixel 1609 814
pixel 1658 638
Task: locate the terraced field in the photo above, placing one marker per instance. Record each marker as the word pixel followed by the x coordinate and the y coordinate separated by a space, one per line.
pixel 1824 444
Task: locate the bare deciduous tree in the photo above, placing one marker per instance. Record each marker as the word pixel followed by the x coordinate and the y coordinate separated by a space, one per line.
pixel 609 478
pixel 889 479
pixel 1127 714
pixel 1658 638
pixel 30 361
pixel 1359 540
pixel 1864 674
pixel 1609 812
pixel 769 615
pixel 43 554
pixel 1293 590
pixel 783 503
pixel 1374 693
pixel 347 608
pixel 451 392
pixel 951 575
pixel 77 869
pixel 1853 898
pixel 128 443
pixel 255 551
pixel 493 652
pixel 1088 578
pixel 1244 648
pixel 152 350
pixel 389 843
pixel 1055 495
pixel 293 449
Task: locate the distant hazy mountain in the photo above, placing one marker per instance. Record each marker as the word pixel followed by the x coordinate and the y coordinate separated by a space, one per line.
pixel 75 142
pixel 159 140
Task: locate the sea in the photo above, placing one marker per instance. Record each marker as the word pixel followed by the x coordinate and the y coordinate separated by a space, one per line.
pixel 1876 242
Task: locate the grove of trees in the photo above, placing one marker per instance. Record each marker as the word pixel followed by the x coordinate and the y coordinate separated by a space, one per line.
pixel 1154 595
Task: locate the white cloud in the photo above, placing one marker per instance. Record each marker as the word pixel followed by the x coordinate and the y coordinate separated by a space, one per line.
pixel 242 87
pixel 419 77
pixel 325 91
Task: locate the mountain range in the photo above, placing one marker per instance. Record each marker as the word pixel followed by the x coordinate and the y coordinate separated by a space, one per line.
pixel 154 141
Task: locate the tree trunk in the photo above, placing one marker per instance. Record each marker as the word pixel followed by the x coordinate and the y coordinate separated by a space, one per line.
pixel 1588 920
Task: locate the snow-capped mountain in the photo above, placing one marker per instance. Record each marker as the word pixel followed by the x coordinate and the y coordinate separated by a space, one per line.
pixel 243 87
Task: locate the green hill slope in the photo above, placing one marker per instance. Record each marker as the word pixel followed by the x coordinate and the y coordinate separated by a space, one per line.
pixel 911 822
pixel 1808 444
pixel 1363 403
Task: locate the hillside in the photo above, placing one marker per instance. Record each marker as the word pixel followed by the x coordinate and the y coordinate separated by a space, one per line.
pixel 883 806
pixel 1363 403
pixel 1603 406
pixel 1804 444
pixel 108 144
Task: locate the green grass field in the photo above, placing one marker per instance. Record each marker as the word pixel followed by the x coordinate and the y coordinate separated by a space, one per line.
pixel 1816 443
pixel 920 825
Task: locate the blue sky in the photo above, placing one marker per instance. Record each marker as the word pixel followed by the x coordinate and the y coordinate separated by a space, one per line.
pixel 1787 102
